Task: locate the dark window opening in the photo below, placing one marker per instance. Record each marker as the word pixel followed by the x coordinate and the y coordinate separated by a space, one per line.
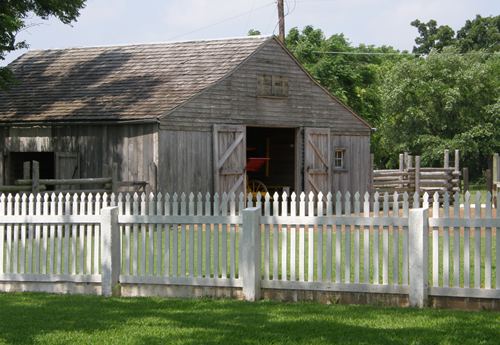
pixel 272 86
pixel 339 159
pixel 17 159
pixel 271 159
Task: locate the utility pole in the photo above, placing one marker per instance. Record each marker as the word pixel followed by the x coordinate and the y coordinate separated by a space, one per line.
pixel 281 16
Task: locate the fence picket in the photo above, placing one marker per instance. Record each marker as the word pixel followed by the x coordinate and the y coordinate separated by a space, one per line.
pixel 160 229
pixel 215 229
pixel 208 212
pixel 366 240
pixel 22 253
pixel 267 246
pixel 182 247
pixel 487 242
pixel 88 235
pixel 15 248
pixel 477 243
pixel 385 242
pixel 498 242
pixel 74 236
pixel 348 230
pixel 81 233
pixel 376 229
pixel 166 239
pixel 284 234
pixel 302 254
pixel 151 235
pixel 338 239
pixel 232 236
pixel 191 236
pixel 199 228
pixel 456 242
pixel 329 243
pixel 142 230
pixel 435 242
pixel 126 240
pixel 135 236
pixel 406 206
pixel 67 234
pixel 395 240
pixel 293 230
pixel 320 229
pixel 466 241
pixel 97 237
pixel 275 212
pixel 58 260
pixel 175 239
pixel 446 242
pixel 223 245
pixel 310 239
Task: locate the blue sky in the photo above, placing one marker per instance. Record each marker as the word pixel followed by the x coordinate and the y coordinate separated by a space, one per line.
pixel 110 22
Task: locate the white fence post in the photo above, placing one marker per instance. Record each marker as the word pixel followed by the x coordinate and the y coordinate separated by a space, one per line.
pixel 110 251
pixel 250 254
pixel 419 250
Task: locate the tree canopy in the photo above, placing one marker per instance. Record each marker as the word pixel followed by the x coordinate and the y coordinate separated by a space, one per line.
pixel 445 95
pixel 14 16
pixel 479 33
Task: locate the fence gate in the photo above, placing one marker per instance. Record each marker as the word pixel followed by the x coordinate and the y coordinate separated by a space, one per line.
pixel 317 169
pixel 229 159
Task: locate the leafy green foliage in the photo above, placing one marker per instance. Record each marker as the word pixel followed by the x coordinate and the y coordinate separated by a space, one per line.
pixel 253 32
pixel 352 78
pixel 479 33
pixel 446 100
pixel 14 15
pixel 432 36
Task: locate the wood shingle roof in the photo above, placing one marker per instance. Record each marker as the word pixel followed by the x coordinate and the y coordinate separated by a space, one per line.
pixel 118 83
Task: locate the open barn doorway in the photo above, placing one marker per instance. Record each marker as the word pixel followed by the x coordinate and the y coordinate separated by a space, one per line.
pixel 17 160
pixel 271 161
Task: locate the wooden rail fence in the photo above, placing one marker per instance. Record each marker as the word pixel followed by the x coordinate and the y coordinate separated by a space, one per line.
pixel 414 178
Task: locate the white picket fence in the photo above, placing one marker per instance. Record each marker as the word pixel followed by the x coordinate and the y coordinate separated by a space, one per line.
pixel 314 242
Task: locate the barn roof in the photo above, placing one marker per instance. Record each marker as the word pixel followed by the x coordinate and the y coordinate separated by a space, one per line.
pixel 134 82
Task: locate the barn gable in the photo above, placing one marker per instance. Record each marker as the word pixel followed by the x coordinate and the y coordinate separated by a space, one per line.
pixel 234 99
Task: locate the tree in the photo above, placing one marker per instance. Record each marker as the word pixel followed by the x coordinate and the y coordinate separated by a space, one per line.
pixel 350 73
pixel 13 18
pixel 480 33
pixel 432 36
pixel 253 32
pixel 447 100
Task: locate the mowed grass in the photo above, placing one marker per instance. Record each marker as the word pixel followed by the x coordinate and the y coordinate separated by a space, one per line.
pixel 66 319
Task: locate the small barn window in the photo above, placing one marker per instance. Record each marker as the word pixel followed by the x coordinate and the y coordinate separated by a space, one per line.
pixel 339 159
pixel 272 86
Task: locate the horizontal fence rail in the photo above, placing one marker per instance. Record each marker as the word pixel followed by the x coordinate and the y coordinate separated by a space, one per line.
pixel 332 242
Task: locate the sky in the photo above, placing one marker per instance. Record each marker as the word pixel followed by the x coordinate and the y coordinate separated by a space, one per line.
pixel 378 22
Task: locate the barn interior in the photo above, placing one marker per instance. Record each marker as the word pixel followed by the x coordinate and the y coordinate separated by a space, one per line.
pixel 16 161
pixel 270 159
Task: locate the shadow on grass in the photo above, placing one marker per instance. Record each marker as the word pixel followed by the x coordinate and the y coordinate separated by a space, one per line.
pixel 52 319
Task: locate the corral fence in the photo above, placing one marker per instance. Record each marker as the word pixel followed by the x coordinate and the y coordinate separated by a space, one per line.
pixel 400 245
pixel 411 177
pixel 32 183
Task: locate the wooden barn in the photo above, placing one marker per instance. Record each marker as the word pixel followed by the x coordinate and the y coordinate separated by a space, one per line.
pixel 199 116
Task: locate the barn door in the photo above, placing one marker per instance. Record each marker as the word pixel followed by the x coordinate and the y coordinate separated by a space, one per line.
pixel 229 159
pixel 317 168
pixel 67 166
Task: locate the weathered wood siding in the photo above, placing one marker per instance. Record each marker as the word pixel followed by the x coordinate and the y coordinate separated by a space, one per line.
pixel 234 100
pixel 356 176
pixel 132 147
pixel 185 162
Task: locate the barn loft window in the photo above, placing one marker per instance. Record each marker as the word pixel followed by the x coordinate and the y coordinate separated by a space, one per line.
pixel 339 159
pixel 272 86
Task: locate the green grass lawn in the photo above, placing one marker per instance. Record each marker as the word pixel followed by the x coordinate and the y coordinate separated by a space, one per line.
pixel 64 319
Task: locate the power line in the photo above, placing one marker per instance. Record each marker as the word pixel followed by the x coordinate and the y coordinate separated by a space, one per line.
pixel 400 53
pixel 222 21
